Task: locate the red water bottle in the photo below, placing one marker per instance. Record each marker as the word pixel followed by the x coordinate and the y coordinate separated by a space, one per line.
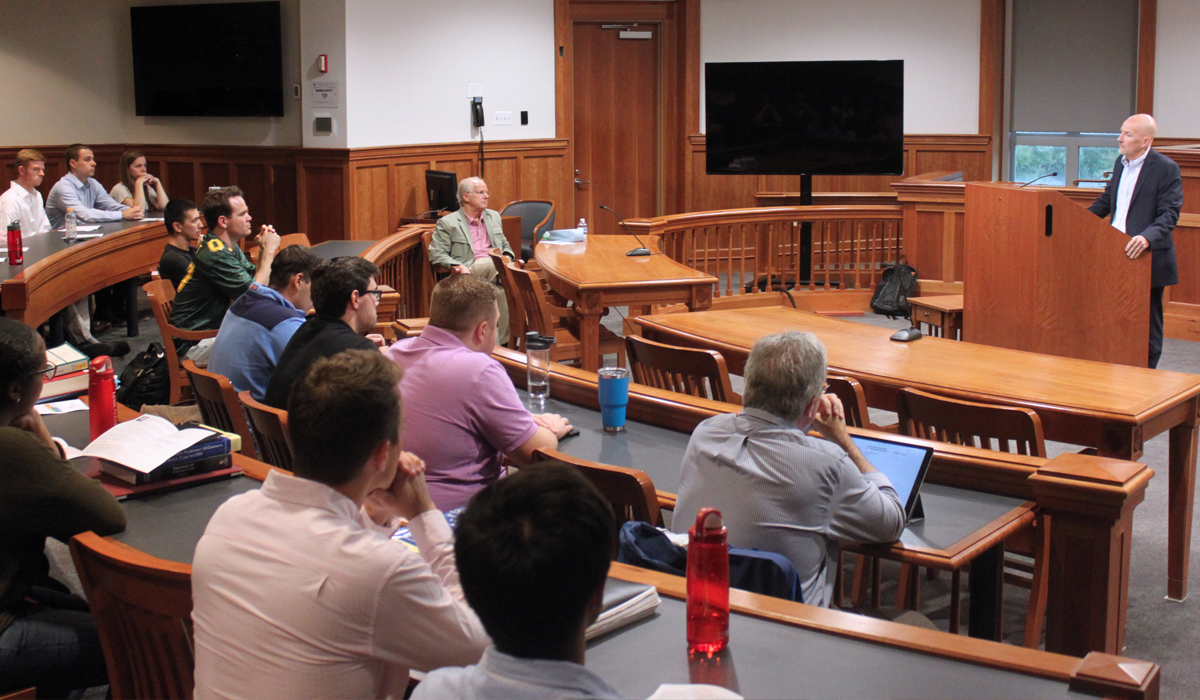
pixel 16 247
pixel 102 395
pixel 708 583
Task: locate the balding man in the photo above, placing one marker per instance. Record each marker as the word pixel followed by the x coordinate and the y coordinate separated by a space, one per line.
pixel 461 240
pixel 1144 196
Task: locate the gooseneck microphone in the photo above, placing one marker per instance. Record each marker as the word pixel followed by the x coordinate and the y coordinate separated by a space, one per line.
pixel 636 252
pixel 1027 184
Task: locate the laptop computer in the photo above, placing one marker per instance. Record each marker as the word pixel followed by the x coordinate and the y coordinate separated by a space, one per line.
pixel 903 464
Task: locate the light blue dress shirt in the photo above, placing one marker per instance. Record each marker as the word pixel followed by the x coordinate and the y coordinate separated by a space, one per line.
pixel 92 204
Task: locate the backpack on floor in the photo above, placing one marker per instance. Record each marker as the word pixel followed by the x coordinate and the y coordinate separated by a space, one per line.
pixel 898 283
pixel 146 379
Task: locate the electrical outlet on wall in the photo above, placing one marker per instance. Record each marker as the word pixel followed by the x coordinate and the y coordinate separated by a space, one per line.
pixel 502 118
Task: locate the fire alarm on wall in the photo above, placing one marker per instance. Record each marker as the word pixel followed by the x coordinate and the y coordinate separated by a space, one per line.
pixel 323 63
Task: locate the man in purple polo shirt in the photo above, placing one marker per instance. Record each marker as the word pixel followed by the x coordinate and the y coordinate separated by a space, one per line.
pixel 462 413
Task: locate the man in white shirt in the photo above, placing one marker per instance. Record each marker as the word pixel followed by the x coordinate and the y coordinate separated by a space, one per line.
pixel 23 202
pixel 533 551
pixel 299 590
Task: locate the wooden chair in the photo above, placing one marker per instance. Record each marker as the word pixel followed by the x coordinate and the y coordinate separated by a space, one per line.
pixel 537 215
pixel 162 301
pixel 557 321
pixel 284 241
pixel 630 492
pixel 142 606
pixel 854 400
pixel 689 371
pixel 270 429
pixel 436 272
pixel 516 312
pixel 219 405
pixel 974 424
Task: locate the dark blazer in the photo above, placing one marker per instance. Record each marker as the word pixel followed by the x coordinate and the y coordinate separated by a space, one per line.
pixel 1153 211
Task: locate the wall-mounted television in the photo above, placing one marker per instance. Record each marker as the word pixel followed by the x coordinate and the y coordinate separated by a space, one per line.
pixel 214 60
pixel 805 118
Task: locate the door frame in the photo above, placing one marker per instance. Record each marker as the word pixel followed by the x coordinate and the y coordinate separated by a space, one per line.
pixel 679 95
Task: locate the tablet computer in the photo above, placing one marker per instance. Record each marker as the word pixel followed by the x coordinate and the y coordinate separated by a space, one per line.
pixel 903 464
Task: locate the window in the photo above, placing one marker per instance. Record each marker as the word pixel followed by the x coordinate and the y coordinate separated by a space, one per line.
pixel 1073 156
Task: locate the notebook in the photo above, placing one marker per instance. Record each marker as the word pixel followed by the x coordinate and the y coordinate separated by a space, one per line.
pixel 903 464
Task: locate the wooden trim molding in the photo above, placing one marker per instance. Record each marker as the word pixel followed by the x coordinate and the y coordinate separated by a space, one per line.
pixel 991 78
pixel 1147 40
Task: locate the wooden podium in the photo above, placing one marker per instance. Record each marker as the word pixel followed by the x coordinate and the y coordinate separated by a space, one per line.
pixel 1043 274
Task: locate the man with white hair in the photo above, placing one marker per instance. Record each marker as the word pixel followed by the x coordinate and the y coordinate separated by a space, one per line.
pixel 461 240
pixel 778 489
pixel 1144 196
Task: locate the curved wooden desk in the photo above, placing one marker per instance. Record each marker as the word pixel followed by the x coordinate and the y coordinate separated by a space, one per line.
pixel 597 274
pixel 1113 408
pixel 57 273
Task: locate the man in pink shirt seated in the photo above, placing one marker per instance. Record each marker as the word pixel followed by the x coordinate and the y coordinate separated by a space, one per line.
pixel 463 414
pixel 299 590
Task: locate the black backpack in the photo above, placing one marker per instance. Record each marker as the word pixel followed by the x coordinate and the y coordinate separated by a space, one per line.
pixel 898 283
pixel 146 379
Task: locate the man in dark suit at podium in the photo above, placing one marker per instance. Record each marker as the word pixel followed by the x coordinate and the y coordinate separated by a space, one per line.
pixel 1144 196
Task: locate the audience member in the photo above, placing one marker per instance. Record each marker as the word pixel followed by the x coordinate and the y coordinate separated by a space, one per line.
pixel 462 239
pixel 220 272
pixel 465 415
pixel 345 296
pixel 533 552
pixel 79 190
pixel 47 638
pixel 23 202
pixel 184 231
pixel 779 489
pixel 299 589
pixel 137 187
pixel 260 322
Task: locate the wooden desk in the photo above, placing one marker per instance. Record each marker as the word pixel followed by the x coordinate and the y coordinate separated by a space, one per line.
pixel 1113 408
pixel 57 273
pixel 945 313
pixel 597 274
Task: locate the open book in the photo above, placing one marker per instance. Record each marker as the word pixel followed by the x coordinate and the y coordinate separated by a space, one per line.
pixel 625 602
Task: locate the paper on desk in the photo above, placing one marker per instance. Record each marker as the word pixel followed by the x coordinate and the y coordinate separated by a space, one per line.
pixel 89 235
pixel 88 227
pixel 5 248
pixel 693 691
pixel 143 443
pixel 57 407
pixel 153 218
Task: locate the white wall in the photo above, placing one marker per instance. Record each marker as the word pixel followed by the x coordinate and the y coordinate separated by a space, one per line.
pixel 1176 89
pixel 68 76
pixel 323 31
pixel 938 40
pixel 409 62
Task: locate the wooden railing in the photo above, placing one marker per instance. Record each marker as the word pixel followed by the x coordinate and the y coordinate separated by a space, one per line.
pixel 403 266
pixel 752 250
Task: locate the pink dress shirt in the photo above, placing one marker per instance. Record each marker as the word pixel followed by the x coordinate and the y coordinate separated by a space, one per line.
pixel 297 594
pixel 479 236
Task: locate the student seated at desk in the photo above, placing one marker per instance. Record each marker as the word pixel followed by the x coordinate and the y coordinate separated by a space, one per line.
pixel 137 187
pixel 533 552
pixel 182 219
pixel 778 489
pixel 299 590
pixel 47 638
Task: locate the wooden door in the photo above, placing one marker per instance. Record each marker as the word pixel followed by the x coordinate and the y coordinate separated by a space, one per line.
pixel 617 121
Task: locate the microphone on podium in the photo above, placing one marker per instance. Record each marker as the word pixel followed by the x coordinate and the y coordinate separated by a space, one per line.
pixel 636 252
pixel 1027 184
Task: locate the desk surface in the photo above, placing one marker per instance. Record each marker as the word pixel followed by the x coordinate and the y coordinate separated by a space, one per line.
pixel 341 249
pixel 601 262
pixel 43 245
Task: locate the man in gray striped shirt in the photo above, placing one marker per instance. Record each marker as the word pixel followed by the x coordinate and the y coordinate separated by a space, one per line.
pixel 779 489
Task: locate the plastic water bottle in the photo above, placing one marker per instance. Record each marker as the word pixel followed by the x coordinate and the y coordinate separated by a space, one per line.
pixel 16 246
pixel 102 396
pixel 582 226
pixel 70 229
pixel 537 358
pixel 708 583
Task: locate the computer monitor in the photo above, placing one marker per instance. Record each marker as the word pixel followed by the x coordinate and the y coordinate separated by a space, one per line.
pixel 442 188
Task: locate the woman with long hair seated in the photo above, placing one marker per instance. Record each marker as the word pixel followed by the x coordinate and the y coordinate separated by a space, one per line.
pixel 47 638
pixel 138 188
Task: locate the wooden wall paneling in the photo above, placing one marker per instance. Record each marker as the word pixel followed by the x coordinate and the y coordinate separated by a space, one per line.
pixel 991 80
pixel 409 197
pixel 179 179
pixel 251 178
pixel 215 175
pixel 503 181
pixel 545 177
pixel 1147 39
pixel 283 193
pixel 927 243
pixel 370 202
pixel 323 194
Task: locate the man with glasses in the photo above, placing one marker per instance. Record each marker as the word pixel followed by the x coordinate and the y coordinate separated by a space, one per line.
pixel 345 296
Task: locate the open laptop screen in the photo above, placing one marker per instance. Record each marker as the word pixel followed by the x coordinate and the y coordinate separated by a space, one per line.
pixel 904 465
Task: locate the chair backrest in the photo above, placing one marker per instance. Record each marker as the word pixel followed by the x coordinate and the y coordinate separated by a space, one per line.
pixel 853 398
pixel 960 422
pixel 162 301
pixel 270 429
pixel 537 215
pixel 516 312
pixel 219 405
pixel 142 606
pixel 528 287
pixel 630 492
pixel 284 241
pixel 689 371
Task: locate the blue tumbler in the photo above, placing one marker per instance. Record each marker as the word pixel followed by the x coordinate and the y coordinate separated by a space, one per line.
pixel 614 396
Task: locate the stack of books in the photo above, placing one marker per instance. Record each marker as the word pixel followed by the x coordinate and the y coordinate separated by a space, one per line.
pixel 70 373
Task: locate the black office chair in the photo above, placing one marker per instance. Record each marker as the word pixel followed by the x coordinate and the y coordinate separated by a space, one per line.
pixel 537 216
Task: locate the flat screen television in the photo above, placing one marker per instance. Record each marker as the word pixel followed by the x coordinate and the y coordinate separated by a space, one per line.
pixel 216 60
pixel 805 117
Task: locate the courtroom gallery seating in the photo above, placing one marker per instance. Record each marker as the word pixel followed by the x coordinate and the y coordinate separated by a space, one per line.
pixel 689 371
pixel 630 491
pixel 559 322
pixel 162 300
pixel 270 431
pixel 219 405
